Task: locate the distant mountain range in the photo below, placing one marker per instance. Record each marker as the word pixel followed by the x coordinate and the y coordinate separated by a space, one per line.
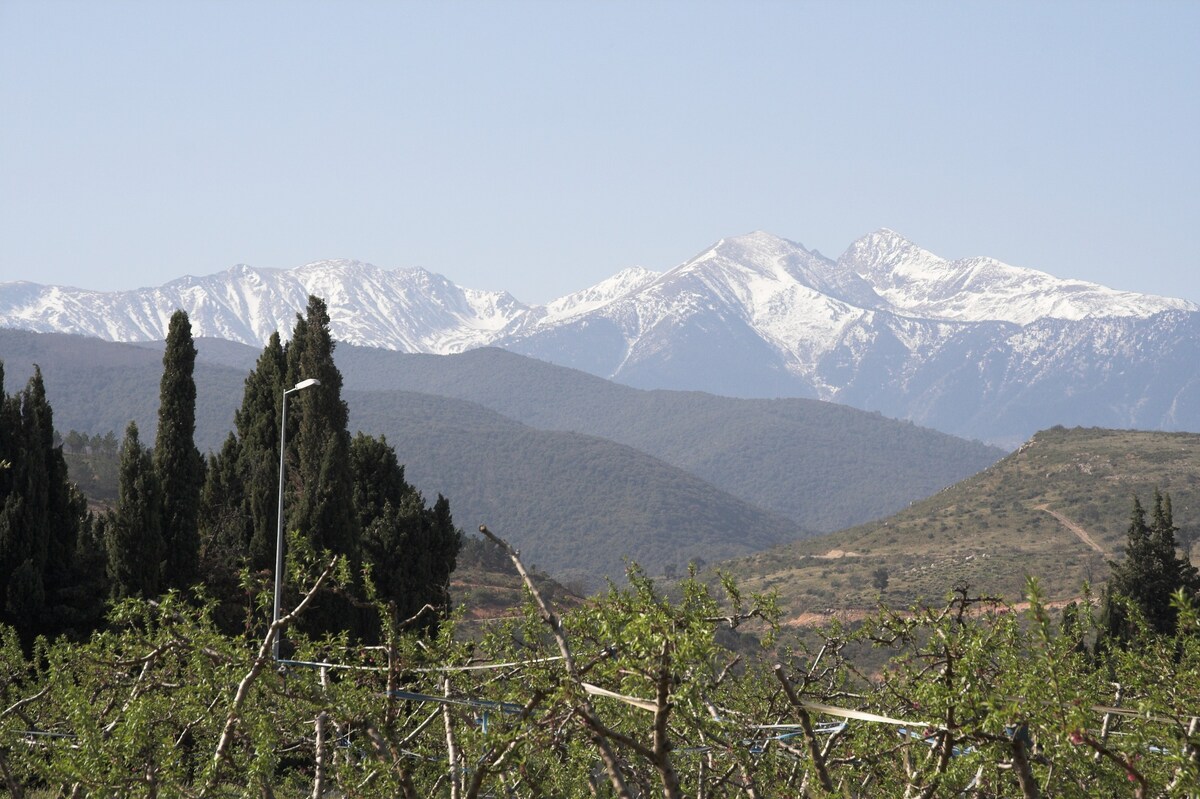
pixel 972 347
pixel 577 471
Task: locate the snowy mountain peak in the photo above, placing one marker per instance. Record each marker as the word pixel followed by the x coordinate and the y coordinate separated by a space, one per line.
pixel 915 282
pixel 887 260
pixel 606 291
pixel 794 300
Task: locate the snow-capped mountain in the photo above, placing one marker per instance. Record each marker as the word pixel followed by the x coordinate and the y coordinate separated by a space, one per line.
pixel 974 346
pixel 917 283
pixel 411 310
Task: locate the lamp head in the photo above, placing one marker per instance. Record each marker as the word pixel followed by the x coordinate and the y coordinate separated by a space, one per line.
pixel 312 381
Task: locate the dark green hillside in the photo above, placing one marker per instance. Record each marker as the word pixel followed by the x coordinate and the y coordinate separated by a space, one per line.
pixel 826 466
pixel 998 526
pixel 823 465
pixel 576 505
pixel 99 386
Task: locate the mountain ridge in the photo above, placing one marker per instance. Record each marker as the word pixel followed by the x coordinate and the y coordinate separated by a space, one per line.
pixel 887 327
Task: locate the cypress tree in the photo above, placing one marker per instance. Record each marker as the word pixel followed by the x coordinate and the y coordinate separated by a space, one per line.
pixel 320 501
pixel 71 601
pixel 133 532
pixel 177 461
pixel 411 548
pixel 258 453
pixel 23 543
pixel 1149 574
pixel 377 475
pixel 323 505
pixel 222 525
pixel 224 535
pixel 444 546
pixel 41 516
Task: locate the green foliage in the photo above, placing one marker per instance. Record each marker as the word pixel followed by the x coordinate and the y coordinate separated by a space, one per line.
pixel 41 517
pixel 633 694
pixel 177 462
pixel 254 458
pixel 350 499
pixel 321 502
pixel 1149 575
pixel 133 535
pixel 411 549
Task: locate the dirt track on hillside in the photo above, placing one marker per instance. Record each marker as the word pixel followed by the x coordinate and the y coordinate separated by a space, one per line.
pixel 1078 531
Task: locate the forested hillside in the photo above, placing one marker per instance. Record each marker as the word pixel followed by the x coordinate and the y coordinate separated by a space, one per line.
pixel 578 506
pixel 570 496
pixel 826 466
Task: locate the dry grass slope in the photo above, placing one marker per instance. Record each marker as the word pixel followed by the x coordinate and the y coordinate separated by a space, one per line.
pixel 1056 509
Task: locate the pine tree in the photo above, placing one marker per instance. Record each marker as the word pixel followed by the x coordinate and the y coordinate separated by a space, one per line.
pixel 177 461
pixel 133 534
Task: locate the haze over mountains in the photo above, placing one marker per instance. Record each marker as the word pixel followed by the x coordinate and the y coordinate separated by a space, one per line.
pixel 972 347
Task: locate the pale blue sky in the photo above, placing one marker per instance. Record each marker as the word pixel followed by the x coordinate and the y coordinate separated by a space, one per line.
pixel 542 146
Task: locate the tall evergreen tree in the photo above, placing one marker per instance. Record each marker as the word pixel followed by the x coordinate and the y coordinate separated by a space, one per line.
pixel 222 523
pixel 320 502
pixel 68 583
pixel 24 483
pixel 177 461
pixel 41 515
pixel 239 498
pixel 335 488
pixel 133 534
pixel 258 456
pixel 411 548
pixel 1149 574
pixel 322 507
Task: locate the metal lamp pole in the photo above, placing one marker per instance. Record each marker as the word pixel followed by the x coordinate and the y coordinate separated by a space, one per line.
pixel 303 384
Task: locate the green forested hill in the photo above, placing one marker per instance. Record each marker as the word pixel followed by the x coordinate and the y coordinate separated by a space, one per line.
pixel 826 466
pixel 99 386
pixel 576 505
pixel 1057 509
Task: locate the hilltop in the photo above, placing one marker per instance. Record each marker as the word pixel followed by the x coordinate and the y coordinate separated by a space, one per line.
pixel 1056 509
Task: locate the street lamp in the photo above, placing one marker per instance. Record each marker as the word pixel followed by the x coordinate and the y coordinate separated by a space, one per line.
pixel 303 384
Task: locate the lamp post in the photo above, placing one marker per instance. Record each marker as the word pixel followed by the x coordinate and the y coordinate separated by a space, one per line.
pixel 303 384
